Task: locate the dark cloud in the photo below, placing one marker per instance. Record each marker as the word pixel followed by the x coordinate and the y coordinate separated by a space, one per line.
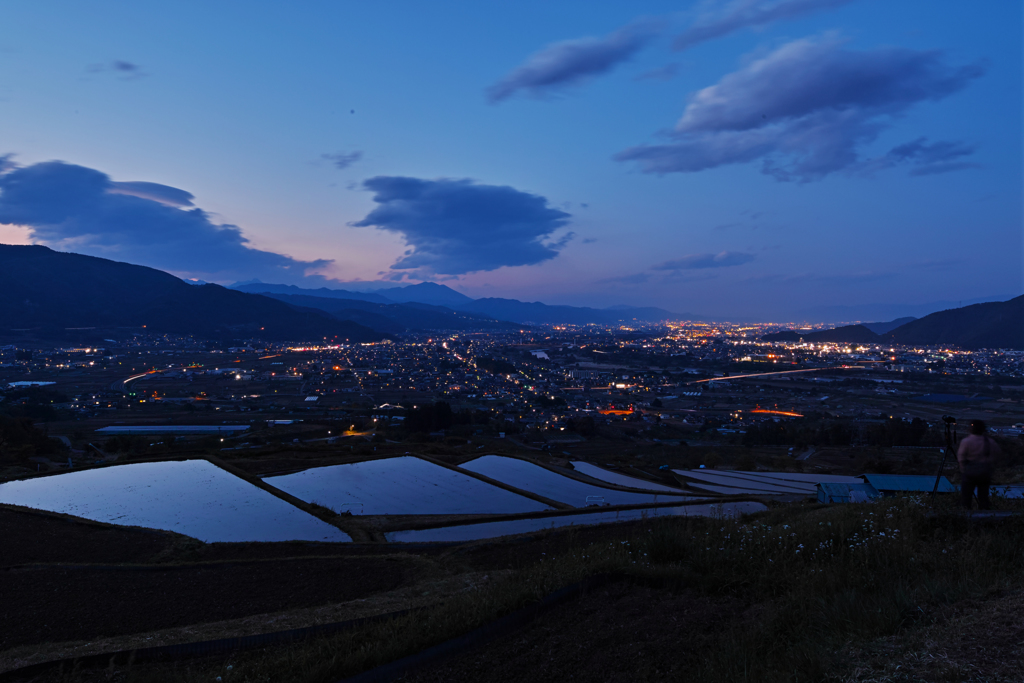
pixel 726 18
pixel 343 160
pixel 125 69
pixel 723 259
pixel 569 62
pixel 80 209
pixel 457 226
pixel 804 109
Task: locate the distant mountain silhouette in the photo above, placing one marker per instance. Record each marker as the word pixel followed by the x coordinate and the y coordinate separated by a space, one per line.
pixel 536 312
pixel 322 292
pixel 995 325
pixel 510 310
pixel 998 325
pixel 46 293
pixel 395 318
pixel 882 328
pixel 425 292
pixel 887 311
pixel 849 334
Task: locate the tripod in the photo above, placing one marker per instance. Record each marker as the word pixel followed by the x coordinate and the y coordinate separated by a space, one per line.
pixel 950 441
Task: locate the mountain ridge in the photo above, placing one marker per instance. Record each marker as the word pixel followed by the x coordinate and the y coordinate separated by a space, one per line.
pixel 396 318
pixel 510 310
pixel 49 292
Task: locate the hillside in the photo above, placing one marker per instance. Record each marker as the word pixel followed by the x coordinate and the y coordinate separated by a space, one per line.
pixel 849 334
pixel 995 325
pixel 882 328
pixel 49 293
pixel 989 325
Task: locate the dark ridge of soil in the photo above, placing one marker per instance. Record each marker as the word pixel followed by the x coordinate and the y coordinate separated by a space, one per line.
pixel 40 537
pixel 51 604
pixel 216 552
pixel 615 634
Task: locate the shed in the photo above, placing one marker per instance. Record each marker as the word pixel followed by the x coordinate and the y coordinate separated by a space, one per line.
pixel 1008 490
pixel 829 492
pixel 890 484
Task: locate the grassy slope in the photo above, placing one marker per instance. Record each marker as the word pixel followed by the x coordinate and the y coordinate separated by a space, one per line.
pixel 820 581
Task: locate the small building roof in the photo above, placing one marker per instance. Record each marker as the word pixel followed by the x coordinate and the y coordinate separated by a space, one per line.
pixel 833 492
pixel 908 482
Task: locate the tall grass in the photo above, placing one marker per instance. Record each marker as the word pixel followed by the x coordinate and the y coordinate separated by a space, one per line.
pixel 825 577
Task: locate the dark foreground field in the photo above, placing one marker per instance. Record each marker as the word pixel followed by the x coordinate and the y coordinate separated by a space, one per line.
pixel 881 592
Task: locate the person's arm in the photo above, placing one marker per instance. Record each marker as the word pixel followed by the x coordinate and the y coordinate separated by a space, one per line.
pixel 962 451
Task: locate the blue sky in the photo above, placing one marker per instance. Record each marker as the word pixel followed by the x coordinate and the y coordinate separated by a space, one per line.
pixel 749 158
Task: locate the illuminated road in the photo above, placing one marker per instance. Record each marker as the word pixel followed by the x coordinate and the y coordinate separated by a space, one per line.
pixel 769 374
pixel 124 382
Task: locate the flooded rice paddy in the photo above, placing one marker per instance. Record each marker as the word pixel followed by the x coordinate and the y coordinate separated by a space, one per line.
pixel 725 483
pixel 401 486
pixel 543 482
pixel 622 479
pixel 483 530
pixel 191 497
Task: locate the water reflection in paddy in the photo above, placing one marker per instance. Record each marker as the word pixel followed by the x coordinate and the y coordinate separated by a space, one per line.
pixel 191 497
pixel 474 532
pixel 404 485
pixel 543 482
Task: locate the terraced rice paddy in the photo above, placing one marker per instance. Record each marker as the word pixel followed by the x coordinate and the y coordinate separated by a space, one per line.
pixel 401 486
pixel 543 482
pixel 723 483
pixel 795 477
pixel 762 483
pixel 191 497
pixel 620 479
pixel 475 532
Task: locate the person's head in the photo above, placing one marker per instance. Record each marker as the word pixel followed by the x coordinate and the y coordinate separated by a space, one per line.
pixel 977 426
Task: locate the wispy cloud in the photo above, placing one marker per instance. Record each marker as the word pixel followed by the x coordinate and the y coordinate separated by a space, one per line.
pixel 663 73
pixel 724 259
pixel 722 18
pixel 805 110
pixel 567 63
pixel 342 160
pixel 122 68
pixel 632 279
pixel 454 227
pixel 926 158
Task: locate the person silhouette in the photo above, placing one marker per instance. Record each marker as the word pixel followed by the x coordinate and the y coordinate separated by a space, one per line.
pixel 976 456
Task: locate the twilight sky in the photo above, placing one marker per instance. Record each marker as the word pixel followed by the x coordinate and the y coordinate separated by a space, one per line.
pixel 745 157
